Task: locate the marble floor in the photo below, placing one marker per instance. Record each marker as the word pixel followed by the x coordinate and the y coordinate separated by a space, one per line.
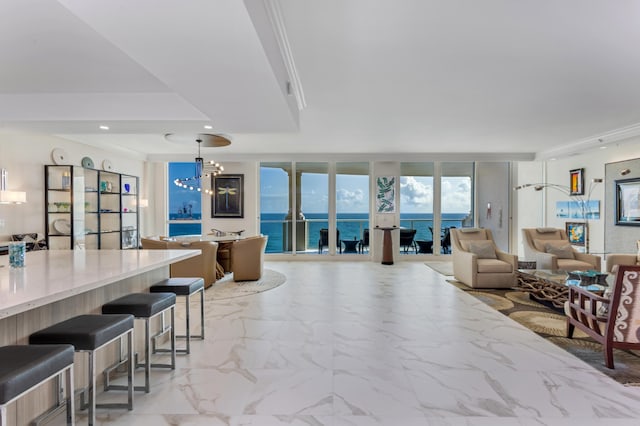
pixel 359 343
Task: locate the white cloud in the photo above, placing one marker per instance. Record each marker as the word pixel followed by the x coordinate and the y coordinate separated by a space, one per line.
pixel 456 194
pixel 416 195
pixel 351 201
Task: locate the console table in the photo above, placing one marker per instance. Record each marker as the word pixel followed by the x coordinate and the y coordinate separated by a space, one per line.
pixel 387 245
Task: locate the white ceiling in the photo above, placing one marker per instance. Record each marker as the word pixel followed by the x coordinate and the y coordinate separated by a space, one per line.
pixel 520 77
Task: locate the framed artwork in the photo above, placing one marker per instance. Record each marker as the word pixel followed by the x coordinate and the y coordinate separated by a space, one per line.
pixel 386 194
pixel 576 185
pixel 628 202
pixel 573 209
pixel 577 233
pixel 228 196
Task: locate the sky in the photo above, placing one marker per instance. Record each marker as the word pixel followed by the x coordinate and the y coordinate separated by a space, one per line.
pixel 180 198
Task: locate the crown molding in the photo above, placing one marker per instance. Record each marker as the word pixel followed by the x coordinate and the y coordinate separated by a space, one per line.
pixel 592 142
pixel 357 157
pixel 279 30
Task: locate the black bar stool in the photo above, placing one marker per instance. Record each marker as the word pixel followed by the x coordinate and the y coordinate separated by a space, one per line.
pixel 90 333
pixel 186 287
pixel 23 367
pixel 146 306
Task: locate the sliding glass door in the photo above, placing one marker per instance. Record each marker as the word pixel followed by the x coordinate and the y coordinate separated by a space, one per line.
pixel 352 207
pixel 416 208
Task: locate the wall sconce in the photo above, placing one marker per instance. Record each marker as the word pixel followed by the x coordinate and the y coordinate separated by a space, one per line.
pixel 624 172
pixel 10 197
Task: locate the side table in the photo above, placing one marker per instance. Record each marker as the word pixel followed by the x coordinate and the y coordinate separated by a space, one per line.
pixel 350 246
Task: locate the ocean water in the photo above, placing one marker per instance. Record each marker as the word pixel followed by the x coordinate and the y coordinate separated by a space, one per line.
pixel 176 229
pixel 350 226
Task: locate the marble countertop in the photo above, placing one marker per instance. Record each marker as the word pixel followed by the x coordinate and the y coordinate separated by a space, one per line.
pixel 53 275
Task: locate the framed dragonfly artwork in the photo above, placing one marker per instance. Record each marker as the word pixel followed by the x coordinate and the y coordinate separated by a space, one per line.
pixel 228 196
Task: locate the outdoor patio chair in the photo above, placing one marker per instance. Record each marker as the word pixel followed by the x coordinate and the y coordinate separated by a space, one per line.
pixel 324 240
pixel 364 242
pixel 406 240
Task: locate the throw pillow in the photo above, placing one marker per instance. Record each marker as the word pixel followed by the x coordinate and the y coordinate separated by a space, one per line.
pixel 546 230
pixel 482 248
pixel 638 254
pixel 563 249
pixel 31 241
pixel 469 230
pixel 541 245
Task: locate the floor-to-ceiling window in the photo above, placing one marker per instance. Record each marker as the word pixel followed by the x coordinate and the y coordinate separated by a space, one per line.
pixel 297 201
pixel 312 197
pixel 416 208
pixel 275 206
pixel 185 203
pixel 352 206
pixel 456 199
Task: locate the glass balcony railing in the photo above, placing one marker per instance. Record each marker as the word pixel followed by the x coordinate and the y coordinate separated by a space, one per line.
pixel 308 232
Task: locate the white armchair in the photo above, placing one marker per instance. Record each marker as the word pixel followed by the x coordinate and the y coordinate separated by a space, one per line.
pixel 478 263
pixel 551 249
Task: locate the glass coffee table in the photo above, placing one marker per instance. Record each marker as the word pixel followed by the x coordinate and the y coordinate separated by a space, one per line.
pixel 548 286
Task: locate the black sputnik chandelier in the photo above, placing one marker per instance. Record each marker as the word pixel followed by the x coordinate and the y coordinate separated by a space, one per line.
pixel 202 168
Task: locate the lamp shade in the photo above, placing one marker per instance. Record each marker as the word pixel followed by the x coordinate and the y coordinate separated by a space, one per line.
pixel 13 197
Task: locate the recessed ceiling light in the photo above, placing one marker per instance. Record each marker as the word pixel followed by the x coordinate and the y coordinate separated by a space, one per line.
pixel 103 127
pixel 552 159
pixel 208 127
pixel 603 147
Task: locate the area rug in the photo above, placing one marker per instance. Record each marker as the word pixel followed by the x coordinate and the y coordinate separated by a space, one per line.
pixel 227 288
pixel 551 325
pixel 441 266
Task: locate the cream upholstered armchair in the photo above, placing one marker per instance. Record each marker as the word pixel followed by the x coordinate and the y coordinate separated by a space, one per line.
pixel 247 258
pixel 619 259
pixel 203 265
pixel 551 249
pixel 478 263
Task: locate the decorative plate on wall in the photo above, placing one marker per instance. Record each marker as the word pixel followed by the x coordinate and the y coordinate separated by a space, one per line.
pixel 59 156
pixel 87 163
pixel 106 165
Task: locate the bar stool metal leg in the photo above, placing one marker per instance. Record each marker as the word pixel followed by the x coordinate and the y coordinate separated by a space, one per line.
pixel 187 287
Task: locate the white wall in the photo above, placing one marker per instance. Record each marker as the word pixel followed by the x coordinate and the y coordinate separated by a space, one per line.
pixel 493 183
pixel 24 156
pixel 251 218
pixel 539 208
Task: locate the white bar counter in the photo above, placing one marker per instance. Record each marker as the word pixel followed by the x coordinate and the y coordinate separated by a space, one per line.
pixel 53 275
pixel 56 285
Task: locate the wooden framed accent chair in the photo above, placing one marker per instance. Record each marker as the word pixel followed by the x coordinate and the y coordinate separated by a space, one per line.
pixel 247 258
pixel 203 265
pixel 611 319
pixel 478 263
pixel 550 248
